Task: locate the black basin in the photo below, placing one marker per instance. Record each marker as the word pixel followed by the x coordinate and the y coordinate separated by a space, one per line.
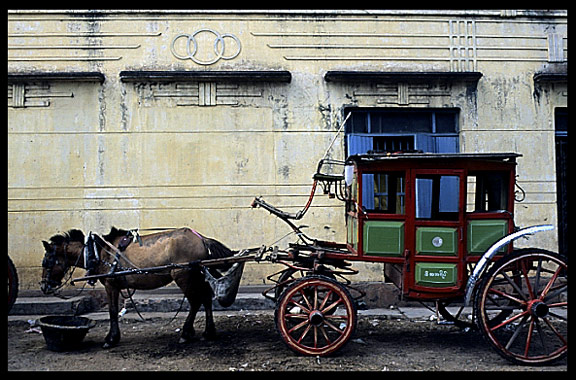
pixel 64 333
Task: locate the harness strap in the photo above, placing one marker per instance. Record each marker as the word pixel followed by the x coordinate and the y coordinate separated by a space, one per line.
pixel 116 251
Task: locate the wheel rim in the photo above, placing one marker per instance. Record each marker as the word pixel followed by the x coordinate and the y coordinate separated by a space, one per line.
pixel 316 316
pixel 523 308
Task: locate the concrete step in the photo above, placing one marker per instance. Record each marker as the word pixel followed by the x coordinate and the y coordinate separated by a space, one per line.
pixel 168 299
pixel 146 301
pixel 150 302
pixel 52 305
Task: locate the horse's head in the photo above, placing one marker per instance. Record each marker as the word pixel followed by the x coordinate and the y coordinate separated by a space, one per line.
pixel 61 253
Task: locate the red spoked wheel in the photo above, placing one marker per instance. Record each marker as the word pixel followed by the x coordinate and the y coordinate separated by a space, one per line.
pixel 315 315
pixel 521 306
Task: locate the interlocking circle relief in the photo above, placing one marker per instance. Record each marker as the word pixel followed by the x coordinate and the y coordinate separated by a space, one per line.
pixel 223 43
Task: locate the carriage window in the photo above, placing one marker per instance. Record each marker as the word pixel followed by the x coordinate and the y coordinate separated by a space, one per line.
pixel 437 197
pixel 383 192
pixel 488 191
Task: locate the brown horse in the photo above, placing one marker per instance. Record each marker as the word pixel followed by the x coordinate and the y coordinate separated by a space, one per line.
pixel 177 246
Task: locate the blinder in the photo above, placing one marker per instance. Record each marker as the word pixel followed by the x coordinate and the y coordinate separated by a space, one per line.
pixel 91 258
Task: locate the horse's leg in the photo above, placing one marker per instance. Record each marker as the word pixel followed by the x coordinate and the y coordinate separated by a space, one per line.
pixel 113 336
pixel 206 297
pixel 187 283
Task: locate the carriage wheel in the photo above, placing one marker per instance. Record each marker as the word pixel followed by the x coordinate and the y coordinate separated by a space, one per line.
pixel 315 315
pixel 12 284
pixel 521 306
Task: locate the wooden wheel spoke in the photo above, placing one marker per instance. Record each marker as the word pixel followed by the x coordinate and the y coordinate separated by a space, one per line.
pixel 298 304
pixel 331 306
pixel 506 295
pixel 298 326
pixel 515 286
pixel 304 333
pixel 315 328
pixel 556 291
pixel 516 332
pixel 560 336
pixel 508 321
pixel 329 324
pixel 537 280
pixel 541 336
pixel 326 298
pixel 550 283
pixel 297 316
pixel 325 335
pixel 529 337
pixel 527 279
pixel 336 317
pixel 306 300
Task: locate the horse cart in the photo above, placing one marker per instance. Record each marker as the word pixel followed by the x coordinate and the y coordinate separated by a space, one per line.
pixel 442 226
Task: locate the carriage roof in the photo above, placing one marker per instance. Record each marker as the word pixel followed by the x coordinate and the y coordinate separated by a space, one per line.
pixel 430 158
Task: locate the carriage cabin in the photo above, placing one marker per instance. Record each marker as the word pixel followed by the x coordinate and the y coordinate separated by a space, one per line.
pixel 428 216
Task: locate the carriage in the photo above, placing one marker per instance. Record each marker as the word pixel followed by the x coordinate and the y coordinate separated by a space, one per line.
pixel 441 225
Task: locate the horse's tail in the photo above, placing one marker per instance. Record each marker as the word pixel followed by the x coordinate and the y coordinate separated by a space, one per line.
pixel 216 249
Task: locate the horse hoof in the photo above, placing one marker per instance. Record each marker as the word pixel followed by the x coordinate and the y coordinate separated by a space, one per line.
pixel 209 336
pixel 183 340
pixel 107 345
pixel 186 338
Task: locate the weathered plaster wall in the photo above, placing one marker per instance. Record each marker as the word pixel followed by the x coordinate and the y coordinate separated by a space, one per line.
pixel 138 154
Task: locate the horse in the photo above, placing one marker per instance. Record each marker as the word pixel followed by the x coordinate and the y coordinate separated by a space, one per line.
pixel 176 246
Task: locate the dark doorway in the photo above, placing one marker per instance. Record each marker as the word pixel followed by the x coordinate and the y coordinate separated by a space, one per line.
pixel 561 126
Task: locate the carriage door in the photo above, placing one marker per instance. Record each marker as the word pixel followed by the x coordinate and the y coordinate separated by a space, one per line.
pixel 435 236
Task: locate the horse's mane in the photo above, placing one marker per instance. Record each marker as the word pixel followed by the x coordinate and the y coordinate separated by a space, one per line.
pixel 67 237
pixel 115 233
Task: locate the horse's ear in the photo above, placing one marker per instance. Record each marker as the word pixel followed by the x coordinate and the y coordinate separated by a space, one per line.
pixel 46 245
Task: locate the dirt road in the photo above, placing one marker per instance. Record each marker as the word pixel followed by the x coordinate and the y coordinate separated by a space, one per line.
pixel 248 341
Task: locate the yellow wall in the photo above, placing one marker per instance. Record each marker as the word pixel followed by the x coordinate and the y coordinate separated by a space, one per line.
pixel 138 154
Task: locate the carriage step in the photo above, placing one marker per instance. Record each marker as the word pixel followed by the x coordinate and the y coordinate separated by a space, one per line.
pixel 53 306
pixel 146 302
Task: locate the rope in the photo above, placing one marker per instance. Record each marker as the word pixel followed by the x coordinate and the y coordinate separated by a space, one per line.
pixel 336 135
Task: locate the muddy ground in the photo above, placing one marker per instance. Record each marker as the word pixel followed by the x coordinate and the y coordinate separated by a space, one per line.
pixel 249 342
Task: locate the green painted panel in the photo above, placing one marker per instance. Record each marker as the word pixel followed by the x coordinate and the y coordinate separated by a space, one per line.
pixel 440 241
pixel 436 274
pixel 483 233
pixel 383 238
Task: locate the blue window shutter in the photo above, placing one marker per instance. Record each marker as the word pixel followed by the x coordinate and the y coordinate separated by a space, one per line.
pixel 449 193
pixel 446 144
pixel 358 144
pixel 368 191
pixel 424 142
pixel 449 186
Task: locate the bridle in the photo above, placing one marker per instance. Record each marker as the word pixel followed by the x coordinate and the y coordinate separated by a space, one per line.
pixel 50 260
pixel 89 256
